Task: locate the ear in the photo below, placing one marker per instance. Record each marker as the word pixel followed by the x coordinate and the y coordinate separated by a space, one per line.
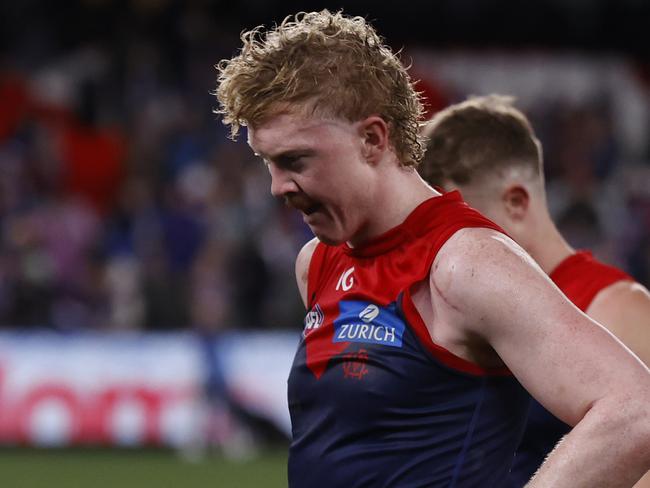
pixel 374 132
pixel 516 200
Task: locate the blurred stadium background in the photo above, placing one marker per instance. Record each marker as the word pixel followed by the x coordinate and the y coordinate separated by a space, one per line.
pixel 148 312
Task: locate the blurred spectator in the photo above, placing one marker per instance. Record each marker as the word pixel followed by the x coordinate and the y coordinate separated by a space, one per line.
pixel 123 205
pixel 92 156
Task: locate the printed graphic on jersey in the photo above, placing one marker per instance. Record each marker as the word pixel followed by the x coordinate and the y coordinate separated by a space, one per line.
pixel 313 320
pixel 354 364
pixel 368 323
pixel 346 280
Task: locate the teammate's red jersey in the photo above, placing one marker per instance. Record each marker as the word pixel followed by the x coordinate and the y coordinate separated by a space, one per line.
pixel 581 278
pixel 373 401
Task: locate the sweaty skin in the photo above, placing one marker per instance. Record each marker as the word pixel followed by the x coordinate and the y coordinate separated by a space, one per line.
pixel 516 202
pixel 487 315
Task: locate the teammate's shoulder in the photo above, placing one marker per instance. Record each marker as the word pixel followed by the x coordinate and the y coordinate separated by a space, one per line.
pixel 624 308
pixel 623 293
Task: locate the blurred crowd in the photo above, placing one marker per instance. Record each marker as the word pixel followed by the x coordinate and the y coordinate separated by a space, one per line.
pixel 123 204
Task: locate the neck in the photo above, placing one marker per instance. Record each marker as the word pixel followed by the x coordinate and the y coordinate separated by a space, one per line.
pixel 547 246
pixel 398 195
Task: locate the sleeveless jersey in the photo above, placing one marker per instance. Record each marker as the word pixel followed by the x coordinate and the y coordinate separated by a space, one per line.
pixel 580 277
pixel 373 401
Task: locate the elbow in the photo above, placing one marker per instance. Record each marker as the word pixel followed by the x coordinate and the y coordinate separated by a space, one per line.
pixel 628 419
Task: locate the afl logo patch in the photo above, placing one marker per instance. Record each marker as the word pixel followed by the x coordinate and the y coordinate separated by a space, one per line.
pixel 313 320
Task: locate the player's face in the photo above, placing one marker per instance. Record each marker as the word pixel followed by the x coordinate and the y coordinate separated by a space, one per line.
pixel 317 166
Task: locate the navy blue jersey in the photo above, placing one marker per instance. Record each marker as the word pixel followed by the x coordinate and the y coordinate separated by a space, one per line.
pixel 373 401
pixel 581 278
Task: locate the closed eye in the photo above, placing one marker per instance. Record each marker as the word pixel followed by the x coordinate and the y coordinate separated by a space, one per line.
pixel 292 161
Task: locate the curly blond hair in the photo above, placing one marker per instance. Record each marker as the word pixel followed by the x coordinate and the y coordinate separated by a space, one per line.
pixel 329 63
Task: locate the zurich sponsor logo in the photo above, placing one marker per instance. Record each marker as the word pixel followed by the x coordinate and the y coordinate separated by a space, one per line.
pixel 368 323
pixel 369 313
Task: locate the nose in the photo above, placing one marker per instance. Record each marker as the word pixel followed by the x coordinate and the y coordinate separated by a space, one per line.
pixel 282 183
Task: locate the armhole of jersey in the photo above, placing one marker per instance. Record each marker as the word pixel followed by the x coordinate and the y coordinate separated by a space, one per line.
pixel 412 316
pixel 582 281
pixel 314 273
pixel 444 356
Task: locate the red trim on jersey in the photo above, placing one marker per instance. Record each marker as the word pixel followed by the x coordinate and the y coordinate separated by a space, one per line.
pixel 386 266
pixel 581 277
pixel 443 355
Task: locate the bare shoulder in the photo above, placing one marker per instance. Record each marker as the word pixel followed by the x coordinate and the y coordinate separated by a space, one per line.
pixel 622 301
pixel 304 256
pixel 477 261
pixel 624 309
pixel 302 267
pixel 499 294
pixel 479 244
pixel 622 295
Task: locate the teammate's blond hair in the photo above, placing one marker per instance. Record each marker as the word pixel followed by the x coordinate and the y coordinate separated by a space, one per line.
pixel 479 137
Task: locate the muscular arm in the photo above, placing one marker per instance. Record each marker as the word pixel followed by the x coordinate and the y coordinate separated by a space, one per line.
pixel 571 364
pixel 302 268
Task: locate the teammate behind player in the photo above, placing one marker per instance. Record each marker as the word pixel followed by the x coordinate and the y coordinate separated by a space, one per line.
pixel 487 148
pixel 419 307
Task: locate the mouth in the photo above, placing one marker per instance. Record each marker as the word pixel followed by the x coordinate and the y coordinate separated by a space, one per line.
pixel 311 209
pixel 303 204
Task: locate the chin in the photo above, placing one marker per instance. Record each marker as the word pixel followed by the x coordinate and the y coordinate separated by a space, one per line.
pixel 329 240
pixel 332 235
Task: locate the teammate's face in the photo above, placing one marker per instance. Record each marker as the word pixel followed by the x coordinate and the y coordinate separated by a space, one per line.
pixel 317 166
